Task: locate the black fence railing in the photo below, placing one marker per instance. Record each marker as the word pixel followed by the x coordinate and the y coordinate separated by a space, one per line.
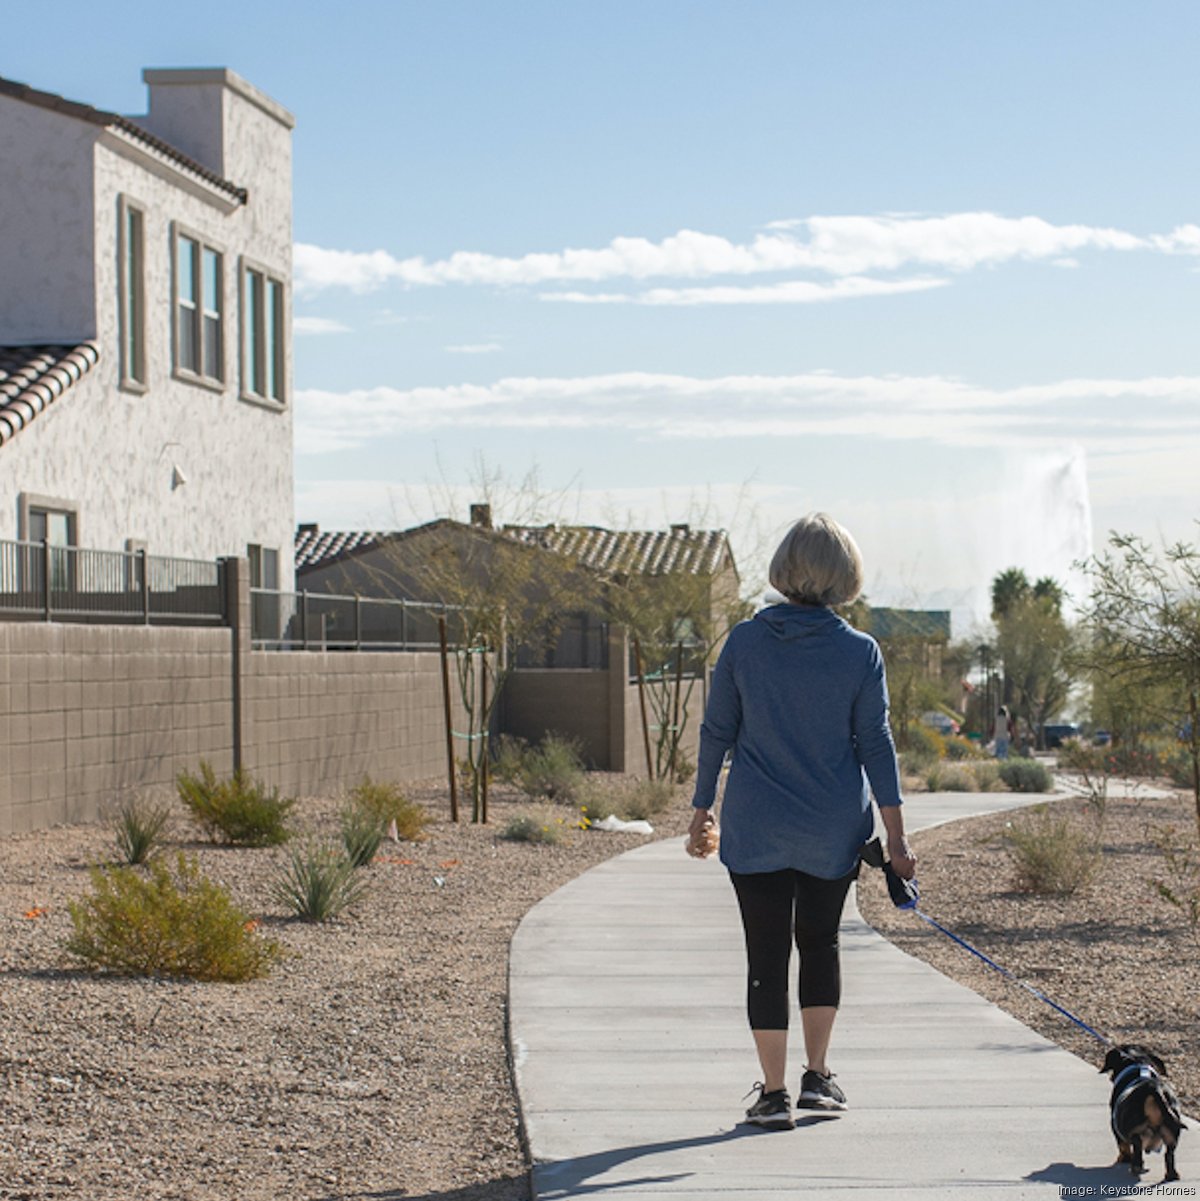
pixel 687 659
pixel 42 582
pixel 580 641
pixel 320 621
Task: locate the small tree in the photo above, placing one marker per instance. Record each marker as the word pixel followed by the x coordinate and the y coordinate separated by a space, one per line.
pixel 1036 646
pixel 677 625
pixel 1144 615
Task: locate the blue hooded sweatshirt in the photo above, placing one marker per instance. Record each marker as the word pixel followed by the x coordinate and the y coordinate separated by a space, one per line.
pixel 800 698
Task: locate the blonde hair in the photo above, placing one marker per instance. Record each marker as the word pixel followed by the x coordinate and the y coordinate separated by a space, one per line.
pixel 817 563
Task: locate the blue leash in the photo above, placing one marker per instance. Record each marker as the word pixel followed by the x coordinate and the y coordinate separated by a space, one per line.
pixel 1041 996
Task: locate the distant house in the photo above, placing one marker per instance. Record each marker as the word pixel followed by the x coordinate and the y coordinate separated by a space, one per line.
pixel 145 330
pixel 923 633
pixel 388 564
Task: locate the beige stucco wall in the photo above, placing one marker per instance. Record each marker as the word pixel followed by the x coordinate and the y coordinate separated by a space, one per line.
pixel 571 702
pixel 113 452
pixel 47 289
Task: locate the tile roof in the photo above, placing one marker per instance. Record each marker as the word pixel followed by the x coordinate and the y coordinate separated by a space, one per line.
pixel 99 116
pixel 909 623
pixel 631 552
pixel 34 377
pixel 609 552
pixel 317 549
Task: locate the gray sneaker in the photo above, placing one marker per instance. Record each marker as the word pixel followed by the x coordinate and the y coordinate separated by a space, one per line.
pixel 772 1111
pixel 820 1092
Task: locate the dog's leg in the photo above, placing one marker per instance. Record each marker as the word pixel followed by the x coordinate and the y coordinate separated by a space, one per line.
pixel 1171 1173
pixel 1124 1153
pixel 1136 1164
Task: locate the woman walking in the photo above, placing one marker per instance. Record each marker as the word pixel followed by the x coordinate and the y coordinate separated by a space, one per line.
pixel 800 699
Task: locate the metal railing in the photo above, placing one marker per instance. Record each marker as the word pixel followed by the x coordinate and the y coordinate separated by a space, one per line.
pixel 43 582
pixel 321 621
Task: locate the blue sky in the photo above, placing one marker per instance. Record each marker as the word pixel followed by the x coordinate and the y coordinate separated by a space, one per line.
pixel 932 267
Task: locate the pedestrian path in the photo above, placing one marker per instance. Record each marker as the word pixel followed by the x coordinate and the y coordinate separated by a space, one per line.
pixel 632 1056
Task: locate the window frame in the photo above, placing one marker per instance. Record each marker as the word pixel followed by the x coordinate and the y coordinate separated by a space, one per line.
pixel 29 503
pixel 219 382
pixel 134 373
pixel 248 391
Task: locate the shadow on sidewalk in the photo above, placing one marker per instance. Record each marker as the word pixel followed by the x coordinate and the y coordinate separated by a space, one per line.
pixel 568 1177
pixel 1110 1181
pixel 505 1188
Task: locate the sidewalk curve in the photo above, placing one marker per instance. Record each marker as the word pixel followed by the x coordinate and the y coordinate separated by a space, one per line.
pixel 632 1055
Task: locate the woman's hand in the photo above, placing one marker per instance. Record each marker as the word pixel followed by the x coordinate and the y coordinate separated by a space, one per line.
pixel 700 834
pixel 904 862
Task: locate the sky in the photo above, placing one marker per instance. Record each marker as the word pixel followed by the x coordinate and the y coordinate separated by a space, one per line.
pixel 933 268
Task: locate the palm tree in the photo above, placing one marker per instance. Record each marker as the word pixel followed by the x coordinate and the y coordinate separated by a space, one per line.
pixel 1008 588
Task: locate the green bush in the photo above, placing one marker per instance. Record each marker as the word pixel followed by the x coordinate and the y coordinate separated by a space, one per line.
pixel 387 804
pixel 554 769
pixel 139 828
pixel 922 746
pixel 136 923
pixel 959 748
pixel 508 758
pixel 987 775
pixel 539 829
pixel 238 811
pixel 685 769
pixel 1025 775
pixel 317 883
pixel 598 798
pixel 647 799
pixel 1051 856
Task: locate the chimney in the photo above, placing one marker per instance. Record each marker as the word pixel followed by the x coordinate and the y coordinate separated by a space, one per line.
pixel 481 515
pixel 310 527
pixel 680 527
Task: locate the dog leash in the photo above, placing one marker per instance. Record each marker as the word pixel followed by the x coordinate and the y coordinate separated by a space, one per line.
pixel 1036 992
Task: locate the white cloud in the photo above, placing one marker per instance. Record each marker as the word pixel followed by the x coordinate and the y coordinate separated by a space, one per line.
pixel 837 246
pixel 474 348
pixel 1129 415
pixel 1183 239
pixel 303 326
pixel 795 291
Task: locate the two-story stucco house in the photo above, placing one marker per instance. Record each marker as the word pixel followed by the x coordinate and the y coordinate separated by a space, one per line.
pixel 145 323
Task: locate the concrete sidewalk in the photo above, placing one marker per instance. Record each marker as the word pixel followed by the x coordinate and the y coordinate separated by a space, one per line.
pixel 632 1056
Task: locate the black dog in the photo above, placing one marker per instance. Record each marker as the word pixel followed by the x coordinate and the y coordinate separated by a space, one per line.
pixel 1145 1109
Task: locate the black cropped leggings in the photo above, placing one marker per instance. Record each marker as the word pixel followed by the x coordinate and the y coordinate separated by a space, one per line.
pixel 777 907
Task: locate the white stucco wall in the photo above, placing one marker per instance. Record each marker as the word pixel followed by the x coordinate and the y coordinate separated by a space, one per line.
pixel 46 280
pixel 113 452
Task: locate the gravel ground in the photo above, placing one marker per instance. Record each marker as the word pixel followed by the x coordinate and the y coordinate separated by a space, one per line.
pixel 370 1063
pixel 1114 954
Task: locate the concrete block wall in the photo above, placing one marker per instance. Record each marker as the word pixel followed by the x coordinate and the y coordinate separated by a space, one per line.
pixel 91 713
pixel 317 722
pixel 569 701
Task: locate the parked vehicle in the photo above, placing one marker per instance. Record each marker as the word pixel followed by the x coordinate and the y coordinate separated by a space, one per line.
pixel 1054 736
pixel 940 722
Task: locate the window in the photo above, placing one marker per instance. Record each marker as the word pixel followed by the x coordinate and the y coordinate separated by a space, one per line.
pixel 131 260
pixel 264 567
pixel 57 527
pixel 263 325
pixel 199 309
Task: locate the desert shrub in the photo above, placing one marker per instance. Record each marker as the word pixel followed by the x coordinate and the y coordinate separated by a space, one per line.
pixel 1051 856
pixel 647 799
pixel 685 769
pixel 598 798
pixel 922 746
pixel 1180 884
pixel 950 777
pixel 386 803
pixel 1025 775
pixel 362 832
pixel 139 827
pixel 987 775
pixel 554 769
pixel 1078 756
pixel 139 923
pixel 508 758
pixel 959 748
pixel 1178 769
pixel 317 883
pixel 540 829
pixel 239 810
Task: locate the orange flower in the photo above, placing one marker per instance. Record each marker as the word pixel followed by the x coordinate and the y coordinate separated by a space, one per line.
pixel 35 912
pixel 448 863
pixel 252 925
